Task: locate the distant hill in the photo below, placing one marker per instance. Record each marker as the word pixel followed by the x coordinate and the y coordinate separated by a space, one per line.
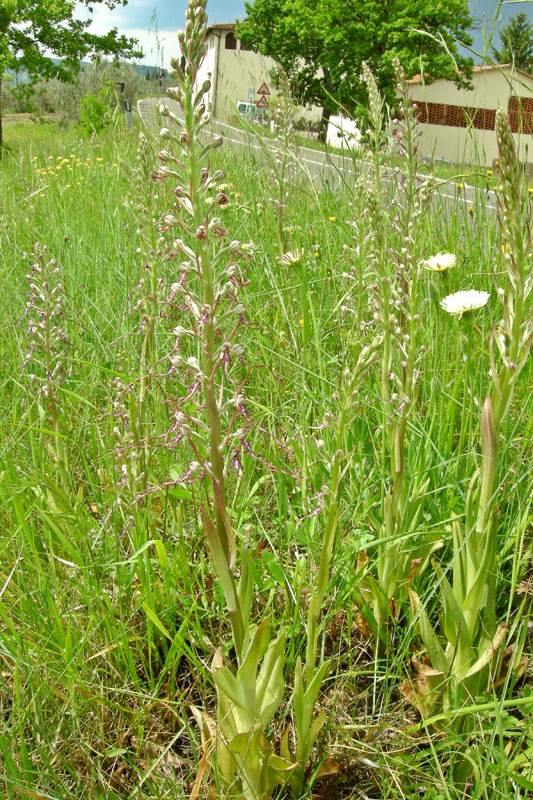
pixel 142 70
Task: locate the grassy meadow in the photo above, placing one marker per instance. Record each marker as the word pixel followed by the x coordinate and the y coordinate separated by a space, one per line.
pixel 366 536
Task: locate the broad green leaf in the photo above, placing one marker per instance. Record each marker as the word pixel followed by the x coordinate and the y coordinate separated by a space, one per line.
pixel 298 694
pixel 270 682
pixel 488 655
pixel 459 560
pixel 284 744
pixel 454 622
pixel 232 688
pixel 247 674
pixel 245 585
pixel 311 693
pixel 221 564
pixel 247 746
pixel 475 590
pixel 306 741
pixel 429 637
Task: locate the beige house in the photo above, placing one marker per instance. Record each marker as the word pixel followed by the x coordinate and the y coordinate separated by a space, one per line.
pixel 458 124
pixel 239 77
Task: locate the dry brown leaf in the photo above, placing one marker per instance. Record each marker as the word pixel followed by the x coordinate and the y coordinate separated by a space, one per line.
pixel 423 689
pixel 415 563
pixel 218 660
pixel 202 766
pixel 361 625
pixel 421 667
pixel 328 768
pixel 509 664
pixel 362 559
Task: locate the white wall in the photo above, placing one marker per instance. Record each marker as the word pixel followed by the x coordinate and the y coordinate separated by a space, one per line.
pixel 492 88
pixel 342 132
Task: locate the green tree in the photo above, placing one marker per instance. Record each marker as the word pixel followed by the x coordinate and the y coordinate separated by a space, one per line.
pixel 517 43
pixel 30 28
pixel 321 44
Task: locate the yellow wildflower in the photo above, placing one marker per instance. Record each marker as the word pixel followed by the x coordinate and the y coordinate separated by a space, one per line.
pixel 332 219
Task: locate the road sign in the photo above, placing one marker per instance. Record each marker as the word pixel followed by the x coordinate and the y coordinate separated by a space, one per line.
pixel 262 102
pixel 263 89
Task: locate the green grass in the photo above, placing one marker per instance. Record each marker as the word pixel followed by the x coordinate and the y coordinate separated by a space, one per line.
pixel 110 611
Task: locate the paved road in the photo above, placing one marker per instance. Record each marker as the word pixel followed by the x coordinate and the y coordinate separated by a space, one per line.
pixel 318 163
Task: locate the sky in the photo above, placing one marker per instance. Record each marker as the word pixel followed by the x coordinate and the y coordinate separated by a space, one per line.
pixel 140 18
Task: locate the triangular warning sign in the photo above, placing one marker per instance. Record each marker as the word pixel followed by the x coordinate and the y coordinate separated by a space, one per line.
pixel 262 102
pixel 263 89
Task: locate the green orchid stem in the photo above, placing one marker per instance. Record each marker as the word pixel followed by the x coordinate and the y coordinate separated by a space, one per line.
pixel 209 368
pixel 148 357
pixel 466 418
pixel 59 446
pixel 328 543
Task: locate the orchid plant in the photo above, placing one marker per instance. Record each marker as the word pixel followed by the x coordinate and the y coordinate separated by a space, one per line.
pixel 469 662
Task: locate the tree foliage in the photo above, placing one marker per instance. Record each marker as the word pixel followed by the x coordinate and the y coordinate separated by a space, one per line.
pixel 30 29
pixel 321 44
pixel 517 43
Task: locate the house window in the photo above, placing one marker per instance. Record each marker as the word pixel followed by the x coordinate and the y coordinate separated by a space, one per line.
pixel 244 46
pixel 521 114
pixel 231 42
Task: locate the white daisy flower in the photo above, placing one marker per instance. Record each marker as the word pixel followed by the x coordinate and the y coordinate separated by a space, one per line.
pixel 290 259
pixel 441 262
pixel 462 302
